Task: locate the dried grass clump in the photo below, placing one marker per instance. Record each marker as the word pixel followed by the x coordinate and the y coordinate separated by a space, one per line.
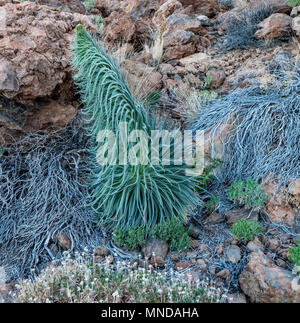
pixel 79 281
pixel 42 195
pixel 227 4
pixel 262 137
pixel 240 29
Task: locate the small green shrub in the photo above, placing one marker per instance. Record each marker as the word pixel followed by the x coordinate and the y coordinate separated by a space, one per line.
pixel 130 238
pixel 89 4
pixel 248 193
pixel 246 229
pixel 294 254
pixel 294 3
pixel 98 21
pixel 212 203
pixel 172 231
pixel 205 95
pixel 206 83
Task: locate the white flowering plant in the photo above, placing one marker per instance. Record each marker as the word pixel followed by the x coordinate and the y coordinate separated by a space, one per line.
pixel 77 280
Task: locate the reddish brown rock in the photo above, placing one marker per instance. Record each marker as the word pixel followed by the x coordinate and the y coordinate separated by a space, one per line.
pixel 219 249
pixel 180 32
pixel 208 8
pixel 233 254
pixel 198 59
pixel 182 265
pixel 35 49
pixel 255 245
pixel 52 114
pixel 195 244
pixel 275 26
pixel 296 25
pixel 273 244
pixel 97 259
pixel 201 265
pixel 141 77
pixel 106 7
pixel 155 248
pixel 277 206
pixel 67 5
pixel 214 218
pixel 119 28
pixel 279 6
pixel 217 77
pixel 101 251
pixel 129 20
pixel 157 262
pixel 179 43
pixel 64 241
pixel 183 22
pixel 174 257
pixel 265 282
pixel 224 274
pixel 234 215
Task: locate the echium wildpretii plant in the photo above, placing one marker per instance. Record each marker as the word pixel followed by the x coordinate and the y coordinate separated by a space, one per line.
pixel 126 195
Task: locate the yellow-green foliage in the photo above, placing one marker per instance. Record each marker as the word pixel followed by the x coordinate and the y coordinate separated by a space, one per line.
pixel 294 3
pixel 294 254
pixel 248 193
pixel 246 229
pixel 172 231
pixel 89 4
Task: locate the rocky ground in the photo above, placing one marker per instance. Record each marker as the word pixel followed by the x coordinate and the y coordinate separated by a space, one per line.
pixel 173 46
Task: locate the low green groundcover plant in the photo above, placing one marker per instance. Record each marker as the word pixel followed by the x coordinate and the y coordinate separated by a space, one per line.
pixel 172 230
pixel 294 3
pixel 89 4
pixel 248 193
pixel 175 232
pixel 79 281
pixel 246 229
pixel 294 254
pixel 212 203
pixel 130 238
